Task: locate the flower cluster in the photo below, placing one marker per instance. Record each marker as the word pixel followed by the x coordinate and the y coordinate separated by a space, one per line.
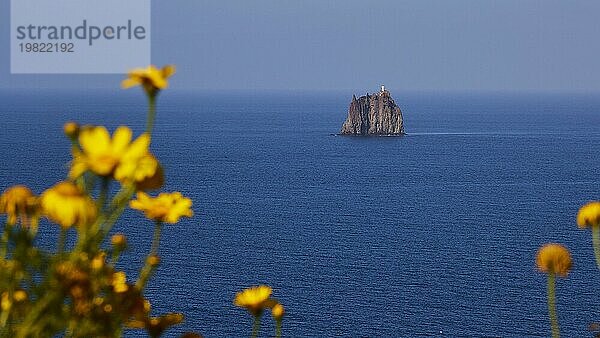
pixel 18 203
pixel 75 289
pixel 589 215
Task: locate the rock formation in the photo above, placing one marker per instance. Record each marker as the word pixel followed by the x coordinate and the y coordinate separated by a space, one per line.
pixel 375 114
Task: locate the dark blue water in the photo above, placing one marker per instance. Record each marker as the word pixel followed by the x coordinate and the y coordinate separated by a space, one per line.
pixel 431 234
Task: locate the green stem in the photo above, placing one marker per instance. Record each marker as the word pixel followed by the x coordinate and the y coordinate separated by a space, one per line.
pixel 552 306
pixel 596 243
pixel 103 194
pixel 124 195
pixel 87 182
pixel 151 113
pixel 89 235
pixel 114 258
pixel 62 238
pixel 111 220
pixel 33 318
pixel 278 328
pixel 148 268
pixel 145 273
pixel 116 208
pixel 156 239
pixel 256 326
pixel 4 318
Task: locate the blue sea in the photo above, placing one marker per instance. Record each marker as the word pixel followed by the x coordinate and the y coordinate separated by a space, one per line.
pixel 430 234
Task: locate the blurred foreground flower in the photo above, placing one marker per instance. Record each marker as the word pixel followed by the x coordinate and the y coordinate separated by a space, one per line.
pixel 166 207
pixel 118 157
pixel 253 299
pixel 256 299
pixel 67 205
pixel 18 202
pixel 151 78
pixel 555 260
pixel 589 216
pixel 277 311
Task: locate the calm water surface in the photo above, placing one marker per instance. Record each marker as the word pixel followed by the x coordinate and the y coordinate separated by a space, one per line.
pixel 431 234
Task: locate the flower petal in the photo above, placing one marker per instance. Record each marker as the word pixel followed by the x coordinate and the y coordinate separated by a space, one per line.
pixel 168 71
pixel 94 140
pixel 121 139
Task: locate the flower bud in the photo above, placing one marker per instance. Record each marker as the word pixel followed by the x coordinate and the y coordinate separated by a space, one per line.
pixel 153 260
pixel 20 295
pixel 71 129
pixel 119 241
pixel 278 311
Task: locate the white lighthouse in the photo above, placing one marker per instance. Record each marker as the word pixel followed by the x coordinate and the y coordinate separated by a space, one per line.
pixel 382 88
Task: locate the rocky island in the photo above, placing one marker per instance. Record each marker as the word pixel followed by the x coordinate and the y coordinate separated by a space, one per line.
pixel 373 114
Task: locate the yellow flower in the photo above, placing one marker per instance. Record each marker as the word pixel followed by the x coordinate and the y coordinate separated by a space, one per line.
pixel 589 215
pixel 554 258
pixel 151 78
pixel 119 282
pixel 277 311
pixel 17 202
pixel 66 205
pixel 98 261
pixel 119 157
pixel 166 207
pixel 254 299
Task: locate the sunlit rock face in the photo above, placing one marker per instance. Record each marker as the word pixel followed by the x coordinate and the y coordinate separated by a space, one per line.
pixel 373 114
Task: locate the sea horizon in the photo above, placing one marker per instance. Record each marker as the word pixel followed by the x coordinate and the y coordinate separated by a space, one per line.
pixel 357 90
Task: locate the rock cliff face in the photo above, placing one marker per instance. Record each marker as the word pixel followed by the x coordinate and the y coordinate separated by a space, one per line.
pixel 375 114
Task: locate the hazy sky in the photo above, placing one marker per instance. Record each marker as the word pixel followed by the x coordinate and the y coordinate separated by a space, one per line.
pixel 321 44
